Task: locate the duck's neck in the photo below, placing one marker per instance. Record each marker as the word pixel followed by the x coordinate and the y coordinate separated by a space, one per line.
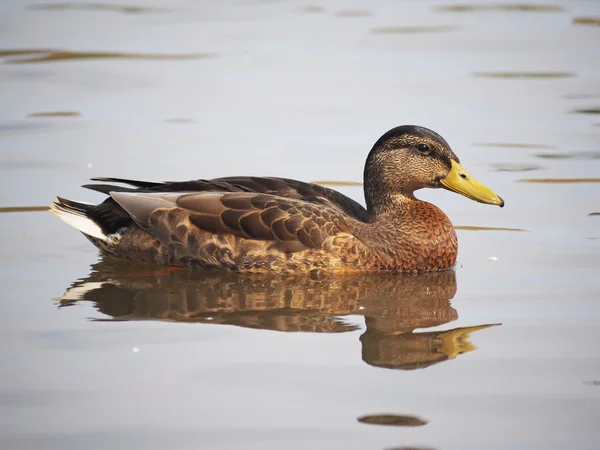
pixel 417 233
pixel 405 210
pixel 388 206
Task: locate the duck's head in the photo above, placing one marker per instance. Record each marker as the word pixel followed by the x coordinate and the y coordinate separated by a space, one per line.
pixel 408 158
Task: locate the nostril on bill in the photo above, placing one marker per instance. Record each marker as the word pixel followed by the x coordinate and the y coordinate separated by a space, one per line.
pixel 463 176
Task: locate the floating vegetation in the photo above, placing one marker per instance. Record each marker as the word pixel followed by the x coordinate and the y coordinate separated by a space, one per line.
pixel 559 180
pixel 337 183
pixel 126 9
pixel 17 209
pixel 419 29
pixel 24 51
pixel 55 114
pixel 514 167
pixel 473 228
pixel 354 13
pixel 66 55
pixel 593 110
pixel 520 7
pixel 392 420
pixel 573 155
pixel 587 21
pixel 513 145
pixel 524 74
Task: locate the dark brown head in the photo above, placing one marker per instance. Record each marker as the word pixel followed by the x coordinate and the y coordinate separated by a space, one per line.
pixel 408 158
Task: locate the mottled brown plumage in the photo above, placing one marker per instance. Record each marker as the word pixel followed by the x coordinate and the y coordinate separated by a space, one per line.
pixel 280 225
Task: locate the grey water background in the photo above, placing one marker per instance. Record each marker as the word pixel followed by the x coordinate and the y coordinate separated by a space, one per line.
pixel 182 90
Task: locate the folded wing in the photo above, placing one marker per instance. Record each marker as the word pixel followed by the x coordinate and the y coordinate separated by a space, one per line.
pixel 249 215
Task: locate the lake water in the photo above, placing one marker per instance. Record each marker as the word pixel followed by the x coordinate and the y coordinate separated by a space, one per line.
pixel 99 354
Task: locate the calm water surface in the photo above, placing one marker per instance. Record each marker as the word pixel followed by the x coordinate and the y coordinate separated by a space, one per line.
pixel 502 353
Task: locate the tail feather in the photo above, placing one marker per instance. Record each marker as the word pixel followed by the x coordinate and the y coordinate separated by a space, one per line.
pixel 74 213
pixel 108 188
pixel 77 206
pixel 135 183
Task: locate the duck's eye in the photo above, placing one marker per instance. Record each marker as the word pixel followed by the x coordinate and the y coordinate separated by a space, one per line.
pixel 424 148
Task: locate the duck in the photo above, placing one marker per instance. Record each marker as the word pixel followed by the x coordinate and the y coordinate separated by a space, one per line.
pixel 268 224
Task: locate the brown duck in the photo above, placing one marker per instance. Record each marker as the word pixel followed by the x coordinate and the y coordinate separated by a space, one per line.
pixel 275 224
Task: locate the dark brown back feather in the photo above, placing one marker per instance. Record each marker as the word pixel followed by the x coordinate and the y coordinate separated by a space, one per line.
pixel 110 216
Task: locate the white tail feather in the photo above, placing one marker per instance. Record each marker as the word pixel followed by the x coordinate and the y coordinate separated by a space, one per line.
pixel 78 221
pixel 79 292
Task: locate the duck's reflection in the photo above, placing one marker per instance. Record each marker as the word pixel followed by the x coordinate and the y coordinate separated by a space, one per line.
pixel 393 306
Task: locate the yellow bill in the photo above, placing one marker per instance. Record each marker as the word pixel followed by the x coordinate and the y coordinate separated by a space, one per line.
pixel 459 181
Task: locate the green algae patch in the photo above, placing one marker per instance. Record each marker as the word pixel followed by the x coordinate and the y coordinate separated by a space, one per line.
pixel 18 209
pixel 473 228
pixel 55 114
pixel 66 55
pixel 517 7
pixel 105 7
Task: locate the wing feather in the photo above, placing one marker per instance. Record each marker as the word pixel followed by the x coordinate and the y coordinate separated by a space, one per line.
pixel 277 200
pixel 247 215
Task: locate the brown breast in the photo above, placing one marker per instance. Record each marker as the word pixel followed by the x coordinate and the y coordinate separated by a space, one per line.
pixel 419 237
